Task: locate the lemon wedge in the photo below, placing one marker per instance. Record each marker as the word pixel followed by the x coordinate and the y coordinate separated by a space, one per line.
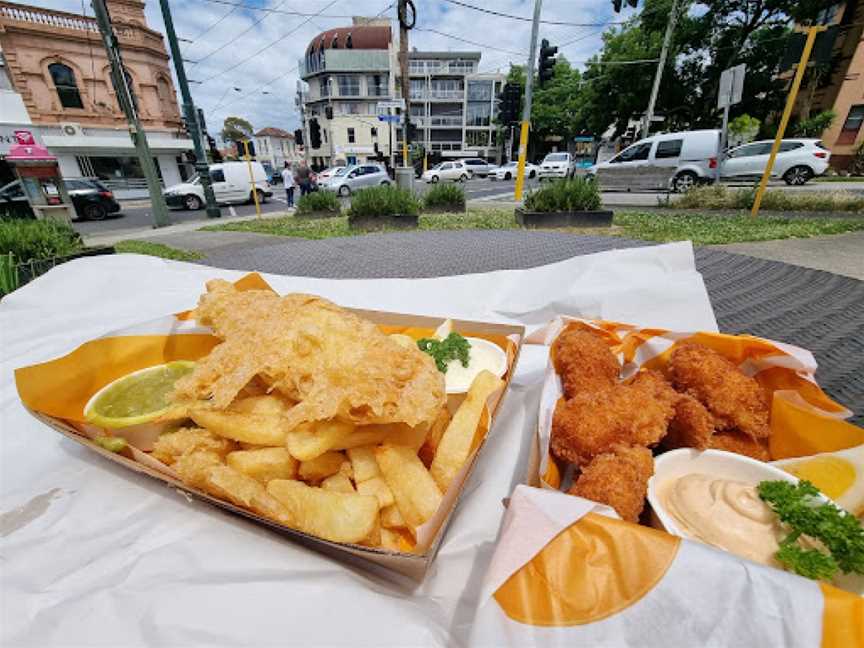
pixel 136 398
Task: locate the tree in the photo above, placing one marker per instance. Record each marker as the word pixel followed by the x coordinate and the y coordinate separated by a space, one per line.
pixel 743 129
pixel 814 126
pixel 236 128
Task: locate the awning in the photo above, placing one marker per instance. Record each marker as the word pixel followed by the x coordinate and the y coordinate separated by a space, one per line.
pixel 110 144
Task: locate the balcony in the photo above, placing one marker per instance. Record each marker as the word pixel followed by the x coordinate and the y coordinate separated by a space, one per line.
pixel 448 121
pixel 423 68
pixel 438 95
pixel 344 61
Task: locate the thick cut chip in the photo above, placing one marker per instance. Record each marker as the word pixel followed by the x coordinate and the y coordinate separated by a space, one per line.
pixel 311 440
pixel 260 429
pixel 172 445
pixel 364 463
pixel 374 537
pixel 390 539
pixel 391 518
pixel 377 487
pixel 415 492
pixel 245 491
pixel 457 441
pixel 393 433
pixel 321 467
pixel 433 437
pixel 334 516
pixel 331 362
pixel 339 483
pixel 264 464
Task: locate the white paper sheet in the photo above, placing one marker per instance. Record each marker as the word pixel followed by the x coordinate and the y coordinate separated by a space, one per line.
pixel 91 553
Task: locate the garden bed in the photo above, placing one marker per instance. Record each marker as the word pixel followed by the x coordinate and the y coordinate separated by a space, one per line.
pixel 383 222
pixel 592 218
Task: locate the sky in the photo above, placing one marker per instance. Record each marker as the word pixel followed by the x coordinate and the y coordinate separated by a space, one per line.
pixel 246 58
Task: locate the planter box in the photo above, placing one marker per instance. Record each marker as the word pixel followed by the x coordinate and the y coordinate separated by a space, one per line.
pixel 317 214
pixel 563 219
pixel 393 221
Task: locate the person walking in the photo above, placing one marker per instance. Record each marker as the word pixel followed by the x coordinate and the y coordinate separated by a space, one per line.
pixel 303 178
pixel 288 180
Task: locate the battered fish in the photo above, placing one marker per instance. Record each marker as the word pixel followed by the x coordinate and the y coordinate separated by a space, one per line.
pixel 624 415
pixel 733 398
pixel 332 363
pixel 618 479
pixel 584 361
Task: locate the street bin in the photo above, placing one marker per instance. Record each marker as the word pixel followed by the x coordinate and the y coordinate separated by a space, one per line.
pixel 405 178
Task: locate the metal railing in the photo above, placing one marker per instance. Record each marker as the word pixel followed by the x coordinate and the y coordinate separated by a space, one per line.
pixel 423 122
pixel 51 18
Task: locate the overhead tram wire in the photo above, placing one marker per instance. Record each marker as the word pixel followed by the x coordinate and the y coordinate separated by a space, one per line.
pixel 501 14
pixel 212 25
pixel 470 42
pixel 236 36
pixel 276 10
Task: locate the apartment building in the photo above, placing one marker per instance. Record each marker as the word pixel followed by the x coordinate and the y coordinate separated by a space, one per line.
pixel 347 71
pixel 452 105
pixel 842 88
pixel 275 147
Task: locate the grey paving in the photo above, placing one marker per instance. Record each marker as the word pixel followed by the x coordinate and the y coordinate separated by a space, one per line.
pixel 817 310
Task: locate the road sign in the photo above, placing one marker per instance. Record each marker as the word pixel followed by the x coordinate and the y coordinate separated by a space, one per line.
pixel 394 119
pixel 397 103
pixel 731 86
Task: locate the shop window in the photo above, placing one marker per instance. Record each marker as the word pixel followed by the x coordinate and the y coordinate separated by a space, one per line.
pixel 351 138
pixel 66 85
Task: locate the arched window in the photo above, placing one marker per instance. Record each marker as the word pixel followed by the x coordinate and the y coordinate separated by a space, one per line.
pixel 163 90
pixel 67 87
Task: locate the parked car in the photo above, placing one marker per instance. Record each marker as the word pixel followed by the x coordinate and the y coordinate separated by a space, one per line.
pixel 798 160
pixel 91 199
pixel 352 178
pixel 677 161
pixel 326 174
pixel 508 171
pixel 231 184
pixel 455 170
pixel 557 165
pixel 478 167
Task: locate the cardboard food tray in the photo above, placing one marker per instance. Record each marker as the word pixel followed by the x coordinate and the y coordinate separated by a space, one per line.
pixel 413 564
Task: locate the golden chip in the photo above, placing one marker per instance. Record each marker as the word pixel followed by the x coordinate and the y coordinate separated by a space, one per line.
pixel 391 518
pixel 264 464
pixel 364 463
pixel 261 429
pixel 379 489
pixel 339 483
pixel 415 492
pixel 310 440
pixel 322 466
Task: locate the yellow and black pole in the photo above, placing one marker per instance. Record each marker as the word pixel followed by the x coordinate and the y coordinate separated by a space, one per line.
pixel 787 112
pixel 248 159
pixel 526 108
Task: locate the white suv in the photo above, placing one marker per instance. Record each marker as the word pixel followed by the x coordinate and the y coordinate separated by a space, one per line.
pixel 456 171
pixel 556 165
pixel 798 160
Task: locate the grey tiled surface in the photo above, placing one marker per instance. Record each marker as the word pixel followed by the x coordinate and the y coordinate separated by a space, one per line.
pixel 816 310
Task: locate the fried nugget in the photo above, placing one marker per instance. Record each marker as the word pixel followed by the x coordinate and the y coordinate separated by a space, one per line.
pixel 691 427
pixel 624 415
pixel 733 398
pixel 618 479
pixel 740 443
pixel 584 361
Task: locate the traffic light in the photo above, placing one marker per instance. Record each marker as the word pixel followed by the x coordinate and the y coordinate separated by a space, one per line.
pixel 546 64
pixel 509 104
pixel 314 134
pixel 241 148
pixel 328 112
pixel 298 137
pixel 617 4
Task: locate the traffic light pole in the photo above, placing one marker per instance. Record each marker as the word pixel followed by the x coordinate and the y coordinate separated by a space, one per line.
pixel 190 114
pixel 526 109
pixel 661 65
pixel 127 105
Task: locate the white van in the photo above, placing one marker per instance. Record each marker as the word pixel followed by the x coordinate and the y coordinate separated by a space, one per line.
pixel 231 184
pixel 676 161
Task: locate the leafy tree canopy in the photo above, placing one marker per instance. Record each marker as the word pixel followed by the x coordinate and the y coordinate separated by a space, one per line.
pixel 236 128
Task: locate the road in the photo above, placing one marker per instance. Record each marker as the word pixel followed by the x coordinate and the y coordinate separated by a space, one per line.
pixel 136 216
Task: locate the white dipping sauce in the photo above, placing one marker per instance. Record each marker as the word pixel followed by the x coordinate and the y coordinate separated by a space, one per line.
pixel 483 355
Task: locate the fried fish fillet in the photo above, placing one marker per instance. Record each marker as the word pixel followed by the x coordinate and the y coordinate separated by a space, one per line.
pixel 618 479
pixel 332 363
pixel 584 361
pixel 733 398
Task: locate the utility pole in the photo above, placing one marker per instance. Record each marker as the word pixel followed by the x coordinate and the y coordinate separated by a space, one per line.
pixel 661 65
pixel 127 104
pixel 526 108
pixel 191 114
pixel 402 13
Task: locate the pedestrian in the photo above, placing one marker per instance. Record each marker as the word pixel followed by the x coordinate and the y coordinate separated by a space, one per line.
pixel 303 179
pixel 288 180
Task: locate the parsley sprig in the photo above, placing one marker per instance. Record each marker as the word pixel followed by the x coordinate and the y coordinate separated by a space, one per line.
pixel 798 506
pixel 453 347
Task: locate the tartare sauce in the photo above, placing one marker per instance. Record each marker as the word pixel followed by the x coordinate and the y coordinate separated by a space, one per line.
pixel 725 514
pixel 483 355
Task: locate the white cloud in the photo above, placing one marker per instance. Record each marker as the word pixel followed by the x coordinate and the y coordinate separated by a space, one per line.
pixel 273 70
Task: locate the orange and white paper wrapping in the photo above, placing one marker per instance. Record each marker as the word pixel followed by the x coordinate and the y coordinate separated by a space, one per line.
pixel 567 572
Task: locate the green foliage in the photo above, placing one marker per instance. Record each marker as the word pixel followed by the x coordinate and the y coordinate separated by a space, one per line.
pixel 8 274
pixel 384 200
pixel 444 196
pixel 743 129
pixel 576 194
pixel 857 166
pixel 236 128
pixel 156 249
pixel 814 126
pixel 721 197
pixel 31 240
pixel 319 201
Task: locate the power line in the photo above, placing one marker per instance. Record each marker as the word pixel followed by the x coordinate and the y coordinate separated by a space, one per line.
pixel 277 10
pixel 470 42
pixel 245 31
pixel 210 28
pixel 526 18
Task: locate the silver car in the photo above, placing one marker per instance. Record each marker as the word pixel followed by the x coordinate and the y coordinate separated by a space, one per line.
pixel 478 167
pixel 357 176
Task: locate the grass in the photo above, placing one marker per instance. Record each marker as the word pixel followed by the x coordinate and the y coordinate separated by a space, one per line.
pixel 702 229
pixel 157 250
pixel 30 239
pixel 720 197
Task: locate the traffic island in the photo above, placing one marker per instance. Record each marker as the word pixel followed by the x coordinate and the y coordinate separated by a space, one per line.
pixel 384 207
pixel 564 203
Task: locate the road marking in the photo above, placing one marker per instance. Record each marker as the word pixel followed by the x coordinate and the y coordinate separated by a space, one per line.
pixel 232 211
pixel 493 197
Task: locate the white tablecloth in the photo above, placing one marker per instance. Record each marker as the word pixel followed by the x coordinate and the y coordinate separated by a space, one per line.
pixel 92 554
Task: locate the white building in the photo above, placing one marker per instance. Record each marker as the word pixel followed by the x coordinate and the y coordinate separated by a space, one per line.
pixel 275 147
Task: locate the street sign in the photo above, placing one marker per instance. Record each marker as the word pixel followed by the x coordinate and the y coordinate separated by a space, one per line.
pixel 731 86
pixel 397 103
pixel 393 119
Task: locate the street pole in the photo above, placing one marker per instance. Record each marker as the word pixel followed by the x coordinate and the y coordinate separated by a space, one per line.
pixel 724 138
pixel 402 13
pixel 787 112
pixel 190 114
pixel 127 105
pixel 526 109
pixel 661 65
pixel 254 187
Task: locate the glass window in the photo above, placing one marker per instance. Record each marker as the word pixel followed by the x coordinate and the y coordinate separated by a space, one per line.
pixel 785 147
pixel 376 85
pixel 351 139
pixel 477 138
pixel 5 80
pixel 349 86
pixel 642 151
pixel 418 88
pixel 854 119
pixel 479 90
pixel 479 114
pixel 669 149
pixel 556 157
pixel 67 87
pixel 446 166
pixel 217 175
pixel 324 85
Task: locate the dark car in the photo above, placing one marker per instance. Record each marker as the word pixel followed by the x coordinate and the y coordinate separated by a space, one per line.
pixel 92 200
